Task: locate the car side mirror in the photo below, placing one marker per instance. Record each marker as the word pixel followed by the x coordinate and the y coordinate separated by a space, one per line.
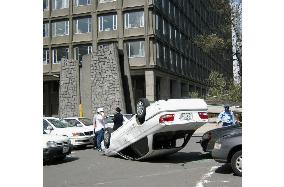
pixel 49 128
pixel 79 125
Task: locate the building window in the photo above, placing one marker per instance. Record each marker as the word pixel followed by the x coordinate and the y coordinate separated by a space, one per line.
pixel 106 1
pixel 170 31
pixel 83 25
pixel 82 2
pixel 45 5
pixel 45 29
pixel 158 51
pixel 60 28
pixel 136 49
pixel 134 19
pixel 170 5
pixel 159 23
pixel 81 50
pixel 171 57
pixel 107 22
pixel 164 53
pixel 59 53
pixel 60 4
pixel 45 56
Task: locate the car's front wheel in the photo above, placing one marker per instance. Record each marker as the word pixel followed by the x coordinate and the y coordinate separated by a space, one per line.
pixel 141 106
pixel 236 163
pixel 107 139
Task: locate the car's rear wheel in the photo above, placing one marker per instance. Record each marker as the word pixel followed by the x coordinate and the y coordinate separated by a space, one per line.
pixel 236 163
pixel 107 139
pixel 141 106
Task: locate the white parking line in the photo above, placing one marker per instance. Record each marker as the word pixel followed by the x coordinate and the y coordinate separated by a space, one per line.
pixel 203 179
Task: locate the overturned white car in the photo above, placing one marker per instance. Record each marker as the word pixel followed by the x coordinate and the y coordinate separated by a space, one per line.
pixel 162 128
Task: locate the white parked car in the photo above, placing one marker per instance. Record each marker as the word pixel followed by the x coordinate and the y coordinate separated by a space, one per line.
pixel 81 121
pixel 162 128
pixel 55 147
pixel 79 136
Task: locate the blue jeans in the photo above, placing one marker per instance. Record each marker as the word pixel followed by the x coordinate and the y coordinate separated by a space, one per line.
pixel 227 124
pixel 100 137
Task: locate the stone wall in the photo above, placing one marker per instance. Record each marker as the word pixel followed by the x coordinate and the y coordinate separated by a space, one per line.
pixel 106 83
pixel 68 89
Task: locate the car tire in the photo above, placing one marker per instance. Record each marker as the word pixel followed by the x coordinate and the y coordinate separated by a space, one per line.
pixel 107 135
pixel 141 106
pixel 236 163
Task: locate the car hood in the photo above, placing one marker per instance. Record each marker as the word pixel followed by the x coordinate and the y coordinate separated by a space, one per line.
pixel 69 130
pixel 55 138
pixel 225 130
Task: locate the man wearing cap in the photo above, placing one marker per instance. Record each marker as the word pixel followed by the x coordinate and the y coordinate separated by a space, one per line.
pixel 99 126
pixel 227 116
pixel 117 119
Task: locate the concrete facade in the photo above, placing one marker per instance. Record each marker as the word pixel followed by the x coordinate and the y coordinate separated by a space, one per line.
pixel 171 65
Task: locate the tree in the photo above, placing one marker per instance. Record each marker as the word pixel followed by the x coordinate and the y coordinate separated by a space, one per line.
pixel 222 89
pixel 225 33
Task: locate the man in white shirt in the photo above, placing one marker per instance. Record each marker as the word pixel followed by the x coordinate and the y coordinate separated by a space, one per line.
pixel 99 126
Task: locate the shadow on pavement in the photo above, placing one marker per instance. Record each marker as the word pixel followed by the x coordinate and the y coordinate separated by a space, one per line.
pixel 224 169
pixel 66 160
pixel 181 157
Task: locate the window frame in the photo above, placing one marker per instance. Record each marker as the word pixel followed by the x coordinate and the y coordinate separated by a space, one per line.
pixel 89 25
pixel 46 54
pixel 47 7
pixel 101 22
pixel 46 28
pixel 107 1
pixel 54 60
pixel 65 26
pixel 76 48
pixel 140 47
pixel 76 3
pixel 126 20
pixel 54 4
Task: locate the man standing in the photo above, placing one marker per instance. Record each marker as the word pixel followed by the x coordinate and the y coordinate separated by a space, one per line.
pixel 99 126
pixel 227 116
pixel 117 119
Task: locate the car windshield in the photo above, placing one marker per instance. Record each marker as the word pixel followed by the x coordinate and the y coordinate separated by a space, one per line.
pixel 72 122
pixel 86 121
pixel 57 123
pixel 109 119
pixel 68 124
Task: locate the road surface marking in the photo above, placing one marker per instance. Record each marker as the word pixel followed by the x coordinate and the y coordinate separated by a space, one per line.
pixel 203 179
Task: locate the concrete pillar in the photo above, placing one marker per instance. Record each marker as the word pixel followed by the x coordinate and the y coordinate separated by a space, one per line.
pixel 176 89
pixel 150 85
pixel 165 88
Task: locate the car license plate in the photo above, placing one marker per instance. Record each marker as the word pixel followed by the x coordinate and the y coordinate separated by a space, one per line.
pixel 65 149
pixel 186 116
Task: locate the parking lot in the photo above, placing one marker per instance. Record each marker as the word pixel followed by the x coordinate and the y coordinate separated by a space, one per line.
pixel 189 167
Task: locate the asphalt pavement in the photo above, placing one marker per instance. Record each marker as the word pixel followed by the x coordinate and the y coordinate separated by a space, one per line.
pixel 189 167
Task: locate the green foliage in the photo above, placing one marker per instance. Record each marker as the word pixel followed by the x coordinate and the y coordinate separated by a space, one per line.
pixel 194 95
pixel 222 90
pixel 210 43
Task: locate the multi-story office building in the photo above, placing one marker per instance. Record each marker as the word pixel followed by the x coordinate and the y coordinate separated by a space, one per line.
pixel 157 35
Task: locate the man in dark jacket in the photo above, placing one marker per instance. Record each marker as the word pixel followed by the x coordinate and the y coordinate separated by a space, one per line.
pixel 117 119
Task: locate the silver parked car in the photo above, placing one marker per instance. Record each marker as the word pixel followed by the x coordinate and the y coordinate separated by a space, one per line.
pixel 229 150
